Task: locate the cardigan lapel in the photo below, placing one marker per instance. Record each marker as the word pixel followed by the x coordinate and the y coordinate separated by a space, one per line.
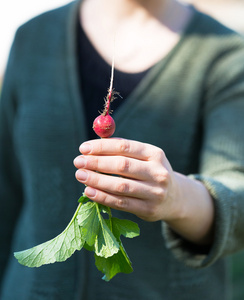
pixel 73 82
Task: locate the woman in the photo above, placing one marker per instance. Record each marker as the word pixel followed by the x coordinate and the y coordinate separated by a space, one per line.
pixel 180 159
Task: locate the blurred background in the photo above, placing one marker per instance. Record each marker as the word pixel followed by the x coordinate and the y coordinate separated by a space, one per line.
pixel 230 12
pixel 13 13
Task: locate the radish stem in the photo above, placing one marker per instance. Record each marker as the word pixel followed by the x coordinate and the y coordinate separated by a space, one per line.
pixel 110 91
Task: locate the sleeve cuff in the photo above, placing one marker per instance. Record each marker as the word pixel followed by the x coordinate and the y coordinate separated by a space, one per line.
pixel 225 209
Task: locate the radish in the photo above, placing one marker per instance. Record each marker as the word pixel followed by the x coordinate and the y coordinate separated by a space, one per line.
pixel 104 125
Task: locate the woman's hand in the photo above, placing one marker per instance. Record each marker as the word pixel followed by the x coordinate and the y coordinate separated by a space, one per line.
pixel 146 184
pixel 136 177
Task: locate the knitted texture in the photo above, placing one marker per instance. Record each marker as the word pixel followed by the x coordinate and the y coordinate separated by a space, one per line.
pixel 190 104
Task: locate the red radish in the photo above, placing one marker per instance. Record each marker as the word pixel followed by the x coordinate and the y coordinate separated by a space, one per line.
pixel 104 125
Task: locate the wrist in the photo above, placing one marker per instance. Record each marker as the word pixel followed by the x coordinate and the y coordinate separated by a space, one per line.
pixel 193 215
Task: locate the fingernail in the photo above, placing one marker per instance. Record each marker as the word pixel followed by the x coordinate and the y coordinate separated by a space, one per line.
pixel 90 192
pixel 81 175
pixel 85 148
pixel 80 162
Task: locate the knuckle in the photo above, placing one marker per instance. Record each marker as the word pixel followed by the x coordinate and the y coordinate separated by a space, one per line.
pixel 94 163
pixel 122 188
pixel 98 147
pixel 162 177
pixel 93 179
pixel 124 146
pixel 121 203
pixel 91 162
pixel 102 198
pixel 159 194
pixel 123 165
pixel 159 154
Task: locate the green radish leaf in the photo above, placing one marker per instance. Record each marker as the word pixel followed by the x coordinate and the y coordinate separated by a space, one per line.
pixel 83 198
pixel 119 262
pixel 88 248
pixel 88 222
pixel 90 230
pixel 95 230
pixel 126 228
pixel 106 244
pixel 110 266
pixel 104 209
pixel 55 250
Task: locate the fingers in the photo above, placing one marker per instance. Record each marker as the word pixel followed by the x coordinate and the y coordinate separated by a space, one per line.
pixel 132 205
pixel 114 185
pixel 145 171
pixel 123 166
pixel 124 194
pixel 122 147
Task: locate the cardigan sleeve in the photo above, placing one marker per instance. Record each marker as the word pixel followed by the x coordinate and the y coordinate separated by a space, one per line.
pixel 221 167
pixel 10 174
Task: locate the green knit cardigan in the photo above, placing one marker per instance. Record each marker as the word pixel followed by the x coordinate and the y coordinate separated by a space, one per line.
pixel 190 104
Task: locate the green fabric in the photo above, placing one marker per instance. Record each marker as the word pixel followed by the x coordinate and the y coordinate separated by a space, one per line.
pixel 190 104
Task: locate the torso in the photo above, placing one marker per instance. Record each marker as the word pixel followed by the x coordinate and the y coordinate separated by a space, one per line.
pixel 139 42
